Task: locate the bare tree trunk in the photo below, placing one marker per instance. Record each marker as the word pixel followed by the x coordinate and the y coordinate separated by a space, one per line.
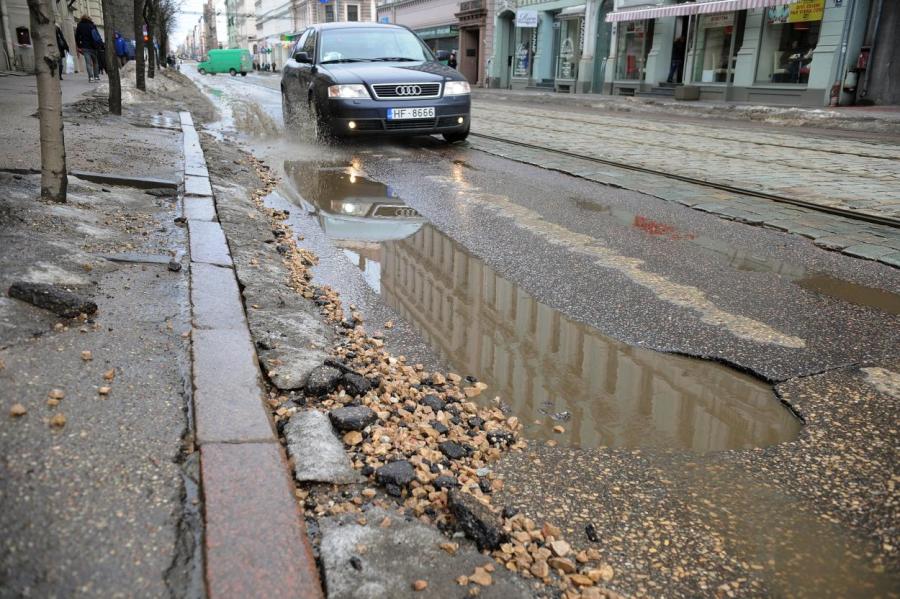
pixel 46 62
pixel 112 65
pixel 149 18
pixel 139 45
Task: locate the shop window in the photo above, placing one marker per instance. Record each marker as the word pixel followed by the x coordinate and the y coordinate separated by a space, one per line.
pixel 570 34
pixel 786 51
pixel 526 43
pixel 714 55
pixel 635 39
pixel 352 12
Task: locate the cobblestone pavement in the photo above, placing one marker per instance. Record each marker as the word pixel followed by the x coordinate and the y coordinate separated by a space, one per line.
pixel 850 174
pixel 853 174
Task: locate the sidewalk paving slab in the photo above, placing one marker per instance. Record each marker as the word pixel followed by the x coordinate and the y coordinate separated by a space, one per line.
pixel 256 544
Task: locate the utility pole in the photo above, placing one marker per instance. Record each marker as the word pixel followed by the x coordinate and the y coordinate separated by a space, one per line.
pixel 54 181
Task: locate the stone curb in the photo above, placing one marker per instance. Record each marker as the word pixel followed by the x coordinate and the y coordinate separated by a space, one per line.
pixel 255 540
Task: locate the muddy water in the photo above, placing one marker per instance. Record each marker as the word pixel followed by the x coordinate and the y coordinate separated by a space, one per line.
pixel 553 371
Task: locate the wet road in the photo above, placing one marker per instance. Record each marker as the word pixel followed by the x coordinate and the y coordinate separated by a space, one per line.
pixel 563 294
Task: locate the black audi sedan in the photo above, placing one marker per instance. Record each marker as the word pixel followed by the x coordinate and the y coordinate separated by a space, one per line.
pixel 349 79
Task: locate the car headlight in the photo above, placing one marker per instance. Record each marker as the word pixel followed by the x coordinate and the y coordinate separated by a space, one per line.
pixel 353 209
pixel 456 88
pixel 348 91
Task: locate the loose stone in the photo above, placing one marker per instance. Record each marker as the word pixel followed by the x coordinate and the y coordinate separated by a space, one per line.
pixel 353 418
pixel 322 380
pixel 399 473
pixel 476 521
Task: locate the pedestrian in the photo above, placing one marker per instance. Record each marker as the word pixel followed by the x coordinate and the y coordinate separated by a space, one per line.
pixel 273 66
pixel 121 48
pixel 84 41
pixel 451 62
pixel 677 60
pixel 63 50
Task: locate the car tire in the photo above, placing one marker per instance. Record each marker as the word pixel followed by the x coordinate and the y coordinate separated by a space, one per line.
pixel 202 71
pixel 243 74
pixel 456 136
pixel 233 72
pixel 289 115
pixel 321 129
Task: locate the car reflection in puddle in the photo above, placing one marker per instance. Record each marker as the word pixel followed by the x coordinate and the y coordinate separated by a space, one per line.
pixel 552 370
pixel 357 214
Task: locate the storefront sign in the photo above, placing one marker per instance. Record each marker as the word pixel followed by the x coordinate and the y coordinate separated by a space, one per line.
pixel 720 20
pixel 798 12
pixel 526 19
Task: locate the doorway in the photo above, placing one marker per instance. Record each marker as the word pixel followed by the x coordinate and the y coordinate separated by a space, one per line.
pixel 679 50
pixel 469 42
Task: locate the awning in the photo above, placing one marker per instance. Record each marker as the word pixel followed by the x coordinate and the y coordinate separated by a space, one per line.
pixel 571 11
pixel 691 8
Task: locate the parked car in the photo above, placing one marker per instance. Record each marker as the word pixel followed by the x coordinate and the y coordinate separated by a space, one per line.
pixel 231 60
pixel 350 79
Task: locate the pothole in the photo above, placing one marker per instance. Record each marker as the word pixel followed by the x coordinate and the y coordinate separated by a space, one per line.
pixel 563 379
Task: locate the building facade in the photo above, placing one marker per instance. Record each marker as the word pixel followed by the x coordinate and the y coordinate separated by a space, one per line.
pixel 558 45
pixel 16 51
pixel 795 52
pixel 241 23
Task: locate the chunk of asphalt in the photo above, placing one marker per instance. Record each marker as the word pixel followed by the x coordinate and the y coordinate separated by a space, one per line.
pixel 399 473
pixel 454 450
pixel 355 384
pixel 52 297
pixel 476 520
pixel 322 380
pixel 317 453
pixel 352 418
pixel 434 402
pixel 396 555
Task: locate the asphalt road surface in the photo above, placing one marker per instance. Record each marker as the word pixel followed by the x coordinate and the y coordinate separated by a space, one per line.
pixel 724 390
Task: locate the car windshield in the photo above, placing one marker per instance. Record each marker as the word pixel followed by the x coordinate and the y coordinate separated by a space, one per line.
pixel 364 44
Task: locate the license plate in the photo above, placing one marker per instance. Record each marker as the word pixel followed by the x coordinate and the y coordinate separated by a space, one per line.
pixel 399 114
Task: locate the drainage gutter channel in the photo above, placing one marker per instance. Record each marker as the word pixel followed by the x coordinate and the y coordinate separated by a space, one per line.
pixel 255 542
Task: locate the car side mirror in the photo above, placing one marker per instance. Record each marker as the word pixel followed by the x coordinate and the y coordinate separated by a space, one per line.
pixel 442 55
pixel 301 56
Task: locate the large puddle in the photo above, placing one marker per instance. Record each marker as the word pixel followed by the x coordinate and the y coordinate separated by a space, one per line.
pixel 553 371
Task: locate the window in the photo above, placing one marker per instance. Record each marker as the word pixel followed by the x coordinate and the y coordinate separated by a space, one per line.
pixel 526 41
pixel 714 45
pixel 352 12
pixel 309 45
pixel 786 51
pixel 569 48
pixel 358 43
pixel 635 39
pixel 329 13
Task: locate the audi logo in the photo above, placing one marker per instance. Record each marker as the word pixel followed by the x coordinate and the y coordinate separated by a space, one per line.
pixel 407 212
pixel 409 90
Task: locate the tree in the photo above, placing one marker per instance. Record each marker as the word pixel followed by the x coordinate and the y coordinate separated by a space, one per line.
pixel 140 83
pixel 150 19
pixel 112 64
pixel 165 23
pixel 54 181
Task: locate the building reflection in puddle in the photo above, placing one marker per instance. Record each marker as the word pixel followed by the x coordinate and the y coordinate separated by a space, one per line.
pixel 551 370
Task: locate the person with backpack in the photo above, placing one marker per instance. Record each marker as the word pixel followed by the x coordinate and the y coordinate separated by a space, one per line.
pixel 87 47
pixel 121 47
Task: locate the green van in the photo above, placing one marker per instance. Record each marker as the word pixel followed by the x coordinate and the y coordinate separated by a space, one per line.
pixel 232 60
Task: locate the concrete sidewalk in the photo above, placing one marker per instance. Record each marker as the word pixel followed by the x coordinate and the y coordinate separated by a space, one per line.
pixel 877 119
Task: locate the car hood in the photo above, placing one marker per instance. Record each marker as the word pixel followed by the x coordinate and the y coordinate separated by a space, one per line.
pixel 380 72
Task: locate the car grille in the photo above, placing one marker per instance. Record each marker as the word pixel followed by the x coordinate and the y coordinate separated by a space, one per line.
pixel 410 124
pixel 368 125
pixel 406 91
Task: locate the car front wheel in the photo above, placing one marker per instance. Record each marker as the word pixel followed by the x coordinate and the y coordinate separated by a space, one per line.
pixel 289 115
pixel 203 71
pixel 456 136
pixel 321 128
pixel 243 73
pixel 233 72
